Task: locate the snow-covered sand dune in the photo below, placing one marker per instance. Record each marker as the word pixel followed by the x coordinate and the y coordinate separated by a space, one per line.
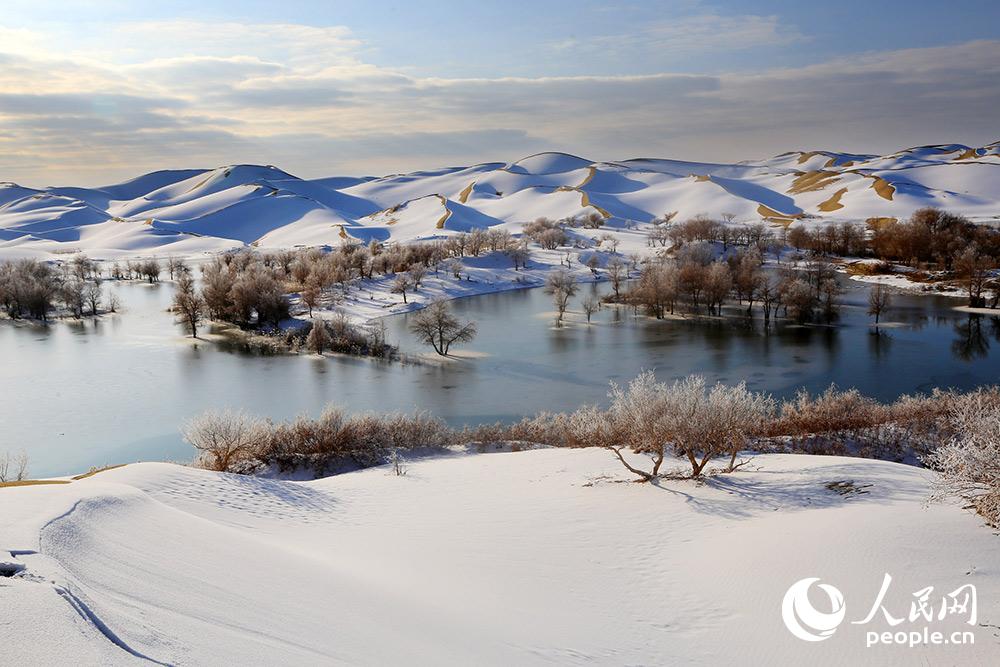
pixel 195 210
pixel 539 557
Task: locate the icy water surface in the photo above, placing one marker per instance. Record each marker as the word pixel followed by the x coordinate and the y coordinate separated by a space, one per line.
pixel 78 394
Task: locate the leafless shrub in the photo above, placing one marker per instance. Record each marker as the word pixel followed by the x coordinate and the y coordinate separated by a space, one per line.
pixel 225 438
pixel 335 439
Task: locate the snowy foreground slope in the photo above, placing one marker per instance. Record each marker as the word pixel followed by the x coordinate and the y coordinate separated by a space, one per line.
pixel 539 557
pixel 185 212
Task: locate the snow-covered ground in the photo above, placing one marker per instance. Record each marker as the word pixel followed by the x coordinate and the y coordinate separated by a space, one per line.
pixel 193 211
pixel 537 557
pixel 493 272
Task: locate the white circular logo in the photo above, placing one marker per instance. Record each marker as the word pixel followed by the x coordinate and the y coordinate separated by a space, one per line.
pixel 803 620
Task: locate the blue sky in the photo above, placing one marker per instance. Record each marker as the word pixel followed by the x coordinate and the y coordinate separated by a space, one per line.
pixel 92 91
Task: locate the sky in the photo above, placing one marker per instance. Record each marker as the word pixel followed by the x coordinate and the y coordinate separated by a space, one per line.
pixel 98 91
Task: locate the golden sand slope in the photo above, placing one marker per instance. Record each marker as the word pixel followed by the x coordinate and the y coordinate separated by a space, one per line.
pixel 833 203
pixel 804 157
pixel 589 178
pixel 463 196
pixel 774 216
pixel 884 188
pixel 970 154
pixel 809 181
pixel 447 212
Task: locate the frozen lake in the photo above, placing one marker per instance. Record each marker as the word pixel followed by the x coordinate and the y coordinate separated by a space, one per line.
pixel 79 394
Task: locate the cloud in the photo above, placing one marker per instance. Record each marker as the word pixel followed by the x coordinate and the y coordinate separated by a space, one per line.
pixel 181 94
pixel 686 36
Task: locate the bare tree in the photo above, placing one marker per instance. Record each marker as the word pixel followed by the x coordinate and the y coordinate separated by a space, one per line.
pixel 617 274
pixel 93 295
pixel 114 303
pixel 973 268
pixel 13 469
pixel 174 267
pixel 878 300
pixel 188 304
pixel 562 286
pixel 590 306
pixel 151 269
pixel 72 297
pixel 438 327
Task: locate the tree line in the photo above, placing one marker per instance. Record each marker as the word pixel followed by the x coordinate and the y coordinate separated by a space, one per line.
pixel 40 290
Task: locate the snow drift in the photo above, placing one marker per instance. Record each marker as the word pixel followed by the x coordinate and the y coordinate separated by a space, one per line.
pixel 539 557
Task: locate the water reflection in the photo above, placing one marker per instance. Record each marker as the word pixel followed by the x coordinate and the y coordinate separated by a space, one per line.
pixel 136 371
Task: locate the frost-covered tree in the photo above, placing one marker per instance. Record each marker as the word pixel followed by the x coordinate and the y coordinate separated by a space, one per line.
pixel 519 256
pixel 970 462
pixel 225 437
pixel 402 284
pixel 417 272
pixel 687 417
pixel 318 339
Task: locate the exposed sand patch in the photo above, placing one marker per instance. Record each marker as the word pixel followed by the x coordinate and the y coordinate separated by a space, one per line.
pixel 882 187
pixel 702 178
pixel 833 203
pixel 447 212
pixel 590 176
pixel 463 196
pixel 33 482
pixel 810 181
pixel 970 154
pixel 585 200
pixel 770 214
pixel 98 470
pixel 804 157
